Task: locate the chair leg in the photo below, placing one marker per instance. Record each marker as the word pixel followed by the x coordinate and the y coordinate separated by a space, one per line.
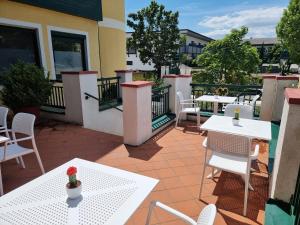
pixel 40 161
pixel 1 184
pixel 38 156
pixel 151 207
pixel 202 178
pixel 246 194
pixel 18 161
pixel 22 162
pixel 198 120
pixel 177 119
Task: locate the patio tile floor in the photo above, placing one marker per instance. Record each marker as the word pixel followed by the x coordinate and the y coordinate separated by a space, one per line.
pixel 174 156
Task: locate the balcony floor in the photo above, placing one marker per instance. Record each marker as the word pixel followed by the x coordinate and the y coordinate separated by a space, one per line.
pixel 174 156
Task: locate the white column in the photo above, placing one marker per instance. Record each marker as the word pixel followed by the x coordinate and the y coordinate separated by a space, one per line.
pixel 273 95
pixel 172 80
pixel 268 97
pixel 287 158
pixel 282 82
pixel 137 112
pixel 72 95
pixel 125 76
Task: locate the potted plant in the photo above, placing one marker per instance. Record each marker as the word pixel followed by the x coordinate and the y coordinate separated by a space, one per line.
pixel 236 118
pixel 25 88
pixel 73 187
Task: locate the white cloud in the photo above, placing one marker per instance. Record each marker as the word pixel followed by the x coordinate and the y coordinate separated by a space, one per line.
pixel 261 22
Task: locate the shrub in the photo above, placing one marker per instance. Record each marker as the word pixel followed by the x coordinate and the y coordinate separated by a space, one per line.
pixel 24 85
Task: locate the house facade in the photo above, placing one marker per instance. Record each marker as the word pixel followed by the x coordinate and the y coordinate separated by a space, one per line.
pixel 63 35
pixel 195 42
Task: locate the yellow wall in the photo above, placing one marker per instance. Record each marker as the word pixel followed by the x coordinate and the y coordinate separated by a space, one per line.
pixel 114 9
pixel 112 41
pixel 113 37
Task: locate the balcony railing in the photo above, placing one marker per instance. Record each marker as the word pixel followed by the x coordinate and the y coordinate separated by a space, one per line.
pixel 56 101
pixel 109 92
pixel 244 93
pixel 160 101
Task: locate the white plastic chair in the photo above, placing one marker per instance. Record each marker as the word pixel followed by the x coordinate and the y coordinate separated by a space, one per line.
pixel 230 153
pixel 246 111
pixel 206 217
pixel 187 106
pixel 3 120
pixel 23 123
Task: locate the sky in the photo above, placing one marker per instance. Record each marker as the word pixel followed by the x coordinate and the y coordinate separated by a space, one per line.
pixel 215 18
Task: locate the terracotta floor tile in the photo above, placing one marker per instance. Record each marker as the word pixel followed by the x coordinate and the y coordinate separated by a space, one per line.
pixel 174 156
pixel 182 170
pixel 191 179
pixel 167 172
pixel 171 182
pixel 175 163
pixel 180 194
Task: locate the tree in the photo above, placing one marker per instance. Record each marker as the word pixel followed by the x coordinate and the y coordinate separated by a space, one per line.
pixel 229 60
pixel 155 35
pixel 288 30
pixel 276 54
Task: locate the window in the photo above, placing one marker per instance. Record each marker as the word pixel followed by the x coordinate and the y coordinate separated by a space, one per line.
pixel 18 44
pixel 129 63
pixel 68 52
pixel 131 51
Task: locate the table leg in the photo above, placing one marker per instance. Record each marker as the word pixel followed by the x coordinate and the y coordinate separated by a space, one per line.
pixel 216 108
pixel 214 172
pixel 1 185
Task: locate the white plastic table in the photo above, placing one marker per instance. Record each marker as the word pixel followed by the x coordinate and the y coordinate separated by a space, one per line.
pixel 250 128
pixel 216 100
pixel 109 196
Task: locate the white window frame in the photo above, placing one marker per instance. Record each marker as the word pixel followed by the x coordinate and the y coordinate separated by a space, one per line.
pixel 70 31
pixel 31 26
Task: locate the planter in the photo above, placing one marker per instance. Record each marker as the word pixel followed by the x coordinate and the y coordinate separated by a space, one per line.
pixel 74 192
pixel 235 122
pixel 35 110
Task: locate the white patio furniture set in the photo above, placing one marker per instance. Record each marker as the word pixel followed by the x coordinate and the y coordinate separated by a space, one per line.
pixel 187 106
pixel 231 148
pixel 110 196
pixel 228 146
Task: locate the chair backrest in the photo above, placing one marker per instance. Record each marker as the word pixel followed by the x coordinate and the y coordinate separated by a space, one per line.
pixel 3 116
pixel 23 123
pixel 207 215
pixel 253 101
pixel 180 96
pixel 229 143
pixel 246 111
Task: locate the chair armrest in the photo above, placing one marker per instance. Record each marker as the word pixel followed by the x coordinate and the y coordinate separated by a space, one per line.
pixel 255 152
pixel 18 140
pixel 2 131
pixel 187 100
pixel 204 143
pixel 172 211
pixel 188 103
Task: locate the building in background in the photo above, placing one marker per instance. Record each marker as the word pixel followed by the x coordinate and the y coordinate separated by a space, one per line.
pixel 263 43
pixel 64 35
pixel 195 42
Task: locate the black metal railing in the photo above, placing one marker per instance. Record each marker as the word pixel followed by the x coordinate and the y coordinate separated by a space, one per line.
pixel 87 96
pixel 56 98
pixel 295 201
pixel 244 93
pixel 160 101
pixel 108 89
pixel 109 92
